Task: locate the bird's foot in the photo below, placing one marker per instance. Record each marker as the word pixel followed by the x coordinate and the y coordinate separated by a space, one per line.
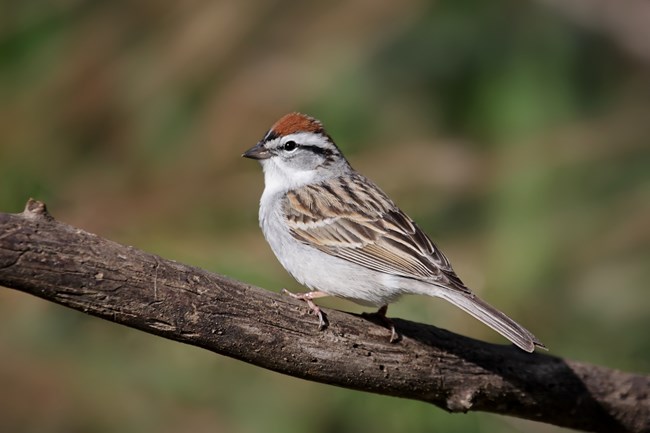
pixel 386 321
pixel 313 308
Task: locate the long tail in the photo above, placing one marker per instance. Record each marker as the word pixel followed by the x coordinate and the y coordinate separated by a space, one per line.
pixel 493 318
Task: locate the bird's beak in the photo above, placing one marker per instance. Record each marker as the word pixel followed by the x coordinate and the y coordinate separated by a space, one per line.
pixel 257 152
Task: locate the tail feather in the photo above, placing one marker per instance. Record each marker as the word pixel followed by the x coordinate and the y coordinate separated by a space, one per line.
pixel 494 318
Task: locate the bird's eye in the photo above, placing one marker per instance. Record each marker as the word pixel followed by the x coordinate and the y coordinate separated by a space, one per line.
pixel 290 146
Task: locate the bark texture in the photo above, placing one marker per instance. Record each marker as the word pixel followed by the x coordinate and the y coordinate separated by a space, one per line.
pixel 85 272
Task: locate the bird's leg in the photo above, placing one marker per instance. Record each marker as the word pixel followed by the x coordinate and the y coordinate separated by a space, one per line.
pixel 313 308
pixel 381 313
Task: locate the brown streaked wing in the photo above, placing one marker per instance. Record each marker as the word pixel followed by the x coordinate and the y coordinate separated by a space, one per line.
pixel 380 236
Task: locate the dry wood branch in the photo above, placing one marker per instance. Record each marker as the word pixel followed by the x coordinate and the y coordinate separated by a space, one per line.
pixel 69 266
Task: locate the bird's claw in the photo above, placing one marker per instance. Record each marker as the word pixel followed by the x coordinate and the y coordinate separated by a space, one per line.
pixel 313 308
pixel 381 315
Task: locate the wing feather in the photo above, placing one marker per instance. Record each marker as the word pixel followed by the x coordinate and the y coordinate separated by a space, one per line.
pixel 351 218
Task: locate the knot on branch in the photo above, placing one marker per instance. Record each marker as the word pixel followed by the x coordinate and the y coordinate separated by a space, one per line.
pixel 35 209
pixel 461 401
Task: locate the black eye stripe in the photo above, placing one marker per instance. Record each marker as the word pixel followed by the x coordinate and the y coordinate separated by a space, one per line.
pixel 317 150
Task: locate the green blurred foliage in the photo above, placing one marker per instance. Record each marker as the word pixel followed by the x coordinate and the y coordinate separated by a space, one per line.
pixel 517 139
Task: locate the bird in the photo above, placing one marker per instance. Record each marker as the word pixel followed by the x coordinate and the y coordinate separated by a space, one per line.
pixel 340 235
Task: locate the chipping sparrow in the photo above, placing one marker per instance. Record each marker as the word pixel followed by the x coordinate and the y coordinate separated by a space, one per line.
pixel 337 233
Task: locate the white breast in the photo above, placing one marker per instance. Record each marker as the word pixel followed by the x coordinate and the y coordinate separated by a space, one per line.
pixel 318 270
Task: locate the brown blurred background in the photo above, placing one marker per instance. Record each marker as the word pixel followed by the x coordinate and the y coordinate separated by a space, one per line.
pixel 516 133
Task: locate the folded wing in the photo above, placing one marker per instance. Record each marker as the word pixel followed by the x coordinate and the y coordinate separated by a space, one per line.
pixel 352 219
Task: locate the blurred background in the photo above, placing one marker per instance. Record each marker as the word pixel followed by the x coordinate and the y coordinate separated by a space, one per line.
pixel 516 133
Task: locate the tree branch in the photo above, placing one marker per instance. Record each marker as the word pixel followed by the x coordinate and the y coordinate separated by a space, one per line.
pixel 80 270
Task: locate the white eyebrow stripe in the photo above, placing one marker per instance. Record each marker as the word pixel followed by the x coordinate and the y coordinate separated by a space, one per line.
pixel 309 139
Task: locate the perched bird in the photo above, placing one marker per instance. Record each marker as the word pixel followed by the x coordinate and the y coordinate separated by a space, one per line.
pixel 340 235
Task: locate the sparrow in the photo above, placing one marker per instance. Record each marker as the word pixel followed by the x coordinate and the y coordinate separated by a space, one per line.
pixel 339 234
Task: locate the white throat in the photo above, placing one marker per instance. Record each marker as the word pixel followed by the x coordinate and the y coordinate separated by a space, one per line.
pixel 281 177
